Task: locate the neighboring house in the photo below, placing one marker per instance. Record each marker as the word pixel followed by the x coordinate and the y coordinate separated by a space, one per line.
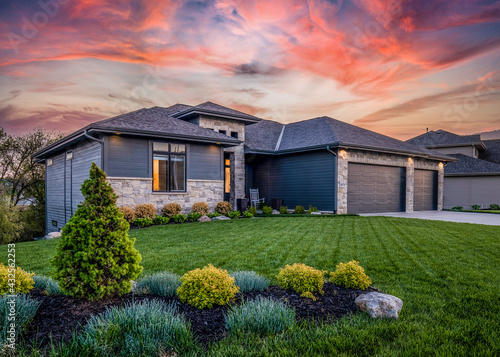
pixel 211 153
pixel 475 177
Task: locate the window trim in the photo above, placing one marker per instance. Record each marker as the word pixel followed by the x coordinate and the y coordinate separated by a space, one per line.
pixel 169 154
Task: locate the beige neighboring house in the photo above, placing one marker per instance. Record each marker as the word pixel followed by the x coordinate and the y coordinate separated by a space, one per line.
pixel 474 179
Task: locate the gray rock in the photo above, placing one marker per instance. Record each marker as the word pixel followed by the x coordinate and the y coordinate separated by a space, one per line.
pixel 54 234
pixel 276 212
pixel 220 218
pixel 380 305
pixel 315 212
pixel 204 218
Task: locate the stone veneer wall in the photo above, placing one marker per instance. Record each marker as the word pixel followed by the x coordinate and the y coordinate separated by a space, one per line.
pixel 237 153
pixel 132 191
pixel 377 158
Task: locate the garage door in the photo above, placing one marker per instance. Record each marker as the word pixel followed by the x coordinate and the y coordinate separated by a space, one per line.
pixel 425 191
pixel 374 188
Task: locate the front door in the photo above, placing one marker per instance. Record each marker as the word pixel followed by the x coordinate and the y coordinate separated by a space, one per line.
pixel 227 177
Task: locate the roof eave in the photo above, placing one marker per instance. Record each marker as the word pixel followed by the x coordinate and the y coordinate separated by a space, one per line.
pixel 222 141
pixel 191 111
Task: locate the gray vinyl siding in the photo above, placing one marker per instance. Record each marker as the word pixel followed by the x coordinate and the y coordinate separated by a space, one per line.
pixel 471 190
pixel 83 156
pixel 298 179
pixel 205 162
pixel 64 179
pixel 127 157
pixel 55 192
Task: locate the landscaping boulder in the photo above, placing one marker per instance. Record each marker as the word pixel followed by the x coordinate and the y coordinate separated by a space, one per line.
pixel 275 211
pixel 52 235
pixel 220 218
pixel 380 305
pixel 204 218
pixel 315 212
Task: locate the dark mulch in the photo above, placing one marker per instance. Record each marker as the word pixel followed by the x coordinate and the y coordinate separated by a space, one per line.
pixel 58 317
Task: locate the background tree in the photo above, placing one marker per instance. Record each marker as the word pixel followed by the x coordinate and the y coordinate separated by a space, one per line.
pixel 22 181
pixel 95 257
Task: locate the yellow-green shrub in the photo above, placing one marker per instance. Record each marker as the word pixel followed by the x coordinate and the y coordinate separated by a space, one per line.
pixel 22 283
pixel 223 207
pixel 171 209
pixel 146 210
pixel 350 275
pixel 301 278
pixel 128 213
pixel 200 207
pixel 207 287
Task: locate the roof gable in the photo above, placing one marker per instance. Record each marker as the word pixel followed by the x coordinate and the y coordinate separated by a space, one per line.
pixel 443 138
pixel 210 108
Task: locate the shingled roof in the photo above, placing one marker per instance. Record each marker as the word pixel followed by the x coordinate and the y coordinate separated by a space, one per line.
pixel 216 109
pixel 324 131
pixel 468 165
pixel 443 138
pixel 492 152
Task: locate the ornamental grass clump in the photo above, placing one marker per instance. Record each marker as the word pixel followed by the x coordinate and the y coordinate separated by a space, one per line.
pixel 20 282
pixel 207 287
pixel 23 309
pixel 46 284
pixel 350 275
pixel 200 207
pixel 128 213
pixel 146 210
pixel 267 210
pixel 250 281
pixel 223 207
pixel 95 257
pixel 301 278
pixel 147 328
pixel 161 284
pixel 171 209
pixel 261 316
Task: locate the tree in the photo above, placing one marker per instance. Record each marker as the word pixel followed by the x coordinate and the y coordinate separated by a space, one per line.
pixel 95 257
pixel 20 175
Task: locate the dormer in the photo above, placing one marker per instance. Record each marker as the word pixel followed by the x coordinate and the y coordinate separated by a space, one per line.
pixel 216 117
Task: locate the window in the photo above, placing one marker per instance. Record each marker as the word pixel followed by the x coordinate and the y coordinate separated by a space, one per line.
pixel 169 167
pixel 234 134
pixel 223 132
pixel 227 176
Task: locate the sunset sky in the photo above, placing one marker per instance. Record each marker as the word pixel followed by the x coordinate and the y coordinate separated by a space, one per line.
pixel 395 67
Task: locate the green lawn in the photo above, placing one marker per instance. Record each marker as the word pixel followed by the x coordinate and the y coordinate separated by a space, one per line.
pixel 446 273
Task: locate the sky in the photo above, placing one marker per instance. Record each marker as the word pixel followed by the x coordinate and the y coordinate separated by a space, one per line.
pixel 395 67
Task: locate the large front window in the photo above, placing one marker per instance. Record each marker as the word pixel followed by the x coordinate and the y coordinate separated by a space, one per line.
pixel 169 167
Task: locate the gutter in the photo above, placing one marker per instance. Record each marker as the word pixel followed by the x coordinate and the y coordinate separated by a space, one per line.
pixel 101 142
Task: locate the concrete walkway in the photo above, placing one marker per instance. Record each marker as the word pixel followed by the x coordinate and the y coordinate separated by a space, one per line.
pixel 460 217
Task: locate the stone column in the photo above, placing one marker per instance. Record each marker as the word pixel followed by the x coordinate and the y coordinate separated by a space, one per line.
pixel 440 186
pixel 410 184
pixel 237 158
pixel 342 167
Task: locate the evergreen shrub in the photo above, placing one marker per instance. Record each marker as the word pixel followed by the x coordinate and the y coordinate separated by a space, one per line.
pixel 95 257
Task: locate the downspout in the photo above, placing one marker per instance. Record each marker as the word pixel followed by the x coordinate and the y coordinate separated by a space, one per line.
pixel 101 142
pixel 336 174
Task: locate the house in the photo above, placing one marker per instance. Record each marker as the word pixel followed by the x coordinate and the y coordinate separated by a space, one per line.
pixel 474 178
pixel 211 153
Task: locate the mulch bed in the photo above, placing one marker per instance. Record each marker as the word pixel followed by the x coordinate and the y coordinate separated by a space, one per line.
pixel 58 317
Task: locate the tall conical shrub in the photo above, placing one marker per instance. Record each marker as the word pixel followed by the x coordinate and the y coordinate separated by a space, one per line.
pixel 95 257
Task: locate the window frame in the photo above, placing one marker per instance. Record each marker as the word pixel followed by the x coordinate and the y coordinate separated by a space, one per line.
pixel 169 155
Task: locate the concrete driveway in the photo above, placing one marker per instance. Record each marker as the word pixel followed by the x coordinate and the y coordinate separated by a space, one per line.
pixel 460 217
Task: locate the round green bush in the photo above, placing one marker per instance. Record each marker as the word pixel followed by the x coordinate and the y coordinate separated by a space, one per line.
pixel 261 315
pixel 95 257
pixel 207 287
pixel 301 278
pixel 350 275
